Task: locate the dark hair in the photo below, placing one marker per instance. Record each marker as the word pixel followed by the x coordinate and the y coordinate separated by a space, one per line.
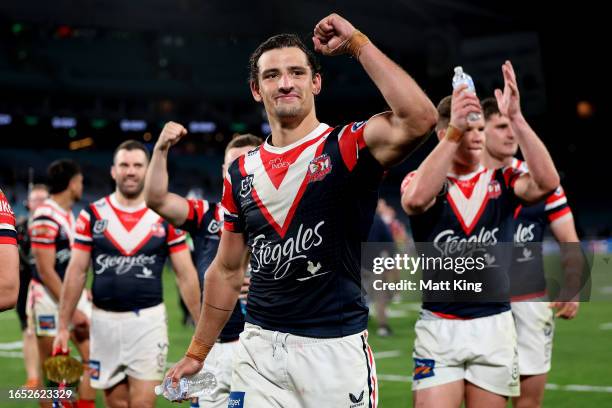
pixel 489 107
pixel 281 41
pixel 59 174
pixel 131 145
pixel 444 113
pixel 243 141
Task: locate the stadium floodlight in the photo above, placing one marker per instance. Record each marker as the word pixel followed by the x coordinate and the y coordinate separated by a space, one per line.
pixel 5 119
pixel 128 125
pixel 202 127
pixel 63 122
pixel 265 128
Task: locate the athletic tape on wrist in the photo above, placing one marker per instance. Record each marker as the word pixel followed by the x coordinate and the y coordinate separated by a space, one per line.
pixel 453 134
pixel 198 350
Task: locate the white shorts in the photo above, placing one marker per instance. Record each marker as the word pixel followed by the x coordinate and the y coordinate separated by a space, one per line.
pixel 274 369
pixel 43 310
pixel 128 344
pixel 535 327
pixel 220 362
pixel 482 351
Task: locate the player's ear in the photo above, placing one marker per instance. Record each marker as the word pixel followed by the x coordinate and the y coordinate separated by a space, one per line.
pixel 316 83
pixel 113 172
pixel 255 90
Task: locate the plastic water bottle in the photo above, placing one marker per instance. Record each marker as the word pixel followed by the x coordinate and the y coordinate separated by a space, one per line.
pixel 461 78
pixel 202 383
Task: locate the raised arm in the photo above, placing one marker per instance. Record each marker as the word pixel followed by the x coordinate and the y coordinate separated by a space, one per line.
pixel 542 177
pixel 223 281
pixel 170 206
pixel 390 136
pixel 421 187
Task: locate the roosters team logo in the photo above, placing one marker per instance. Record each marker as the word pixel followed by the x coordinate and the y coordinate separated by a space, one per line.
pixel 319 167
pixel 158 230
pixel 494 189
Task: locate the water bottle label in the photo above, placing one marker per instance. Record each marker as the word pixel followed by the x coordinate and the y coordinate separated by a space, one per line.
pixel 236 399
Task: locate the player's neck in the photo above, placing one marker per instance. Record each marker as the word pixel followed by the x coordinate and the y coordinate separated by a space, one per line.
pixel 285 133
pixel 461 169
pixel 493 162
pixel 128 201
pixel 63 199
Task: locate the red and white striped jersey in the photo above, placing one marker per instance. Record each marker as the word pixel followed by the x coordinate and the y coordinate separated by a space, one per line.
pixel 129 247
pixel 52 227
pixel 304 210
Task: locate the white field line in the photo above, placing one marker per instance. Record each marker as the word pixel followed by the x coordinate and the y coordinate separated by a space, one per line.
pixel 551 387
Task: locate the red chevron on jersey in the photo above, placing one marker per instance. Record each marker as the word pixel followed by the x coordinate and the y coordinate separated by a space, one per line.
pixel 117 223
pixel 468 196
pixel 278 191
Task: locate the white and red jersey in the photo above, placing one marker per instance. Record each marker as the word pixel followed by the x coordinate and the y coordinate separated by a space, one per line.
pixel 52 227
pixel 475 208
pixel 305 209
pixel 531 221
pixel 8 233
pixel 129 247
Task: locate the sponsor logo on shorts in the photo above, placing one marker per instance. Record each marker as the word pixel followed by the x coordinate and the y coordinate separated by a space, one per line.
pixel 236 399
pixel 356 401
pixel 423 368
pixel 46 322
pixel 94 369
pixel 162 354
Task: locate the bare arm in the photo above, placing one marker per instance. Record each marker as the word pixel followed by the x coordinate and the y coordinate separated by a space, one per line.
pixel 223 280
pixel 429 179
pixel 572 260
pixel 390 136
pixel 9 276
pixel 542 177
pixel 74 282
pixel 45 265
pixel 187 281
pixel 170 206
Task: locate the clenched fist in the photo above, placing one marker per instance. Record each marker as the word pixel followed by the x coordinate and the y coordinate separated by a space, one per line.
pixel 332 35
pixel 170 135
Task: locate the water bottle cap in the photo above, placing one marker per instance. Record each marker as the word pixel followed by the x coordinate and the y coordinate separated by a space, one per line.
pixel 458 70
pixel 159 389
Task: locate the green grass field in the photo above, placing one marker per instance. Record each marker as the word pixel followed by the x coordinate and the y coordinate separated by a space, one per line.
pixel 582 352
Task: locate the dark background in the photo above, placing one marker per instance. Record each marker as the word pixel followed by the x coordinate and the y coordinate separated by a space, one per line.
pixel 99 62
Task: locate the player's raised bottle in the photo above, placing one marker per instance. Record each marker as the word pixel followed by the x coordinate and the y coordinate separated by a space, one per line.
pixel 461 78
pixel 202 383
